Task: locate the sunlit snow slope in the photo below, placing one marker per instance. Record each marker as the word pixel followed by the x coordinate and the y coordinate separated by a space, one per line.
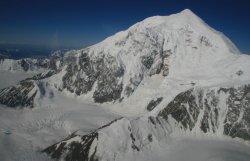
pixel 165 76
pixel 191 77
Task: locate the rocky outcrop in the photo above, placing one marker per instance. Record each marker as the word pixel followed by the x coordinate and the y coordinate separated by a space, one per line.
pixel 153 103
pixel 104 71
pixel 52 62
pixel 26 64
pixel 174 46
pixel 177 52
pixel 224 110
pixel 76 148
pixel 114 140
pixel 113 75
pixel 20 95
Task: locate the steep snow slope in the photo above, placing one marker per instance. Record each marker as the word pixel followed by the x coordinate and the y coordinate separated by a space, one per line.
pixel 179 47
pixel 191 78
pixel 178 50
pixel 166 75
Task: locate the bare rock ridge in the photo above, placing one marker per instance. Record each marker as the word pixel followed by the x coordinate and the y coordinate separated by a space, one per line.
pixel 179 46
pixel 128 136
pixel 183 74
pixel 24 93
pixel 206 68
pixel 223 110
pixel 219 110
pixel 21 95
pixel 165 46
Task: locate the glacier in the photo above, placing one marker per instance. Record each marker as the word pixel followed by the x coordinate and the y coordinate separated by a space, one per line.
pixel 166 85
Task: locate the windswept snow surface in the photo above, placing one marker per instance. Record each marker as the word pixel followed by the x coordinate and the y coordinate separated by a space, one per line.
pixel 186 148
pixel 204 149
pixel 8 78
pixel 151 59
pixel 196 55
pixel 33 130
pixel 54 119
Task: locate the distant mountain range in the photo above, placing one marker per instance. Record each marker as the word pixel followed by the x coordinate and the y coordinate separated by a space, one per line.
pixel 19 51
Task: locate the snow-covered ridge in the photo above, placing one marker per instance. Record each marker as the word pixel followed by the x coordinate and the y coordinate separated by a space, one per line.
pixel 20 95
pixel 176 50
pixel 165 25
pixel 129 137
pixel 179 46
pixel 52 62
pixel 216 111
pixel 220 110
pixel 27 65
pixel 166 74
pixel 186 77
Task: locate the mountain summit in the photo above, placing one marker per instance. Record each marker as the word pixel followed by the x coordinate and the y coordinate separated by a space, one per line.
pixel 178 47
pixel 164 75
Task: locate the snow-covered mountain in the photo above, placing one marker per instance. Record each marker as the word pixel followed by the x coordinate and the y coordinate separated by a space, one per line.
pixel 52 62
pixel 26 64
pixel 165 75
pixel 215 111
pixel 177 47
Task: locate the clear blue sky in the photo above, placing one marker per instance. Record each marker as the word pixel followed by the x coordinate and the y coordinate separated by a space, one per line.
pixel 79 23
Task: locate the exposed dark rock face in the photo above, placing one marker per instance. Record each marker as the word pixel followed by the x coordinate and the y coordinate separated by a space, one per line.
pixel 209 110
pixel 116 138
pixel 237 122
pixel 147 61
pixel 76 147
pixel 104 71
pixel 134 83
pixel 239 73
pixel 177 109
pixel 205 41
pixel 153 103
pixel 109 86
pixel 33 64
pixel 165 62
pixel 21 95
pixel 25 65
pixel 76 150
pixel 79 78
pixel 107 94
pixel 212 110
pixel 52 64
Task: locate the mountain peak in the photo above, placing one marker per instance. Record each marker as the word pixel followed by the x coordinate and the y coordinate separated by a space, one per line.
pixel 188 15
pixel 187 12
pixel 185 17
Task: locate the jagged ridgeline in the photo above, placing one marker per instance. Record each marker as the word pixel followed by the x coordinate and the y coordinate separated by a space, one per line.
pixel 176 47
pixel 24 93
pixel 222 110
pixel 212 90
pixel 182 74
pixel 217 110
